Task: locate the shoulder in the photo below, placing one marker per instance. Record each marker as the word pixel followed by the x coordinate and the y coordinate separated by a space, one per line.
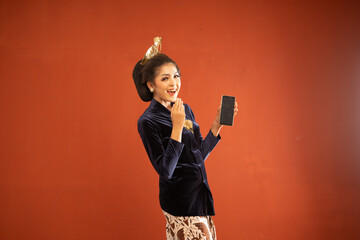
pixel 145 119
pixel 188 111
pixel 187 107
pixel 146 126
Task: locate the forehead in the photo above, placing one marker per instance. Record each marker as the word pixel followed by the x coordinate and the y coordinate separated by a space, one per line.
pixel 167 68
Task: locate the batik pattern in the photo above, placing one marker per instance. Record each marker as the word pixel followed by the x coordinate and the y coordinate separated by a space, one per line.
pixel 189 228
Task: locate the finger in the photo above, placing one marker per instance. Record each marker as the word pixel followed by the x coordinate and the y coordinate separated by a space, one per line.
pixel 176 104
pixel 178 107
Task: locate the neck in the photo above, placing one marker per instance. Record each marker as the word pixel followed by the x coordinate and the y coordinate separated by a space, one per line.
pixel 166 104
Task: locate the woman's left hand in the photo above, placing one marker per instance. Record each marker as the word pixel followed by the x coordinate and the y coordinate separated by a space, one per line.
pixel 216 127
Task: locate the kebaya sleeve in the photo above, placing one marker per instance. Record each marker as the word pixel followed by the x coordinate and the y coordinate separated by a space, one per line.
pixel 208 144
pixel 205 145
pixel 163 159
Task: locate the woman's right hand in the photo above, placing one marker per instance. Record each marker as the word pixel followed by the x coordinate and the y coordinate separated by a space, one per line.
pixel 178 114
pixel 178 119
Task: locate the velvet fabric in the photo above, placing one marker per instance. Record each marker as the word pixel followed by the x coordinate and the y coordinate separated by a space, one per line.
pixel 184 189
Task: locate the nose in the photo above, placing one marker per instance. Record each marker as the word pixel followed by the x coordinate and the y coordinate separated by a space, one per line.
pixel 172 81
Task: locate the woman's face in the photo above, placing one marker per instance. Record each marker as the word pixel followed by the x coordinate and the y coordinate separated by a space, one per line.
pixel 166 84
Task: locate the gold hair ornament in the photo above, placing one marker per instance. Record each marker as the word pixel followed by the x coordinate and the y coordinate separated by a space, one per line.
pixel 152 51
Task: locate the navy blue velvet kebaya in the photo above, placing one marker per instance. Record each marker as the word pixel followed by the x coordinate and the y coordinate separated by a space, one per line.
pixel 184 190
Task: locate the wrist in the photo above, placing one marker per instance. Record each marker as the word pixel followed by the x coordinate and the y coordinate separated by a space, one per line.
pixel 176 134
pixel 215 129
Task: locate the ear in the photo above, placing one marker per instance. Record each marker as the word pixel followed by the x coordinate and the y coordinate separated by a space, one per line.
pixel 149 85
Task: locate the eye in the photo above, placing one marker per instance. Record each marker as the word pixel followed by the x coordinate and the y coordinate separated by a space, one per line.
pixel 176 76
pixel 164 79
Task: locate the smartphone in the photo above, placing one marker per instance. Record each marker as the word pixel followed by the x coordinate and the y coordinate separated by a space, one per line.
pixel 227 110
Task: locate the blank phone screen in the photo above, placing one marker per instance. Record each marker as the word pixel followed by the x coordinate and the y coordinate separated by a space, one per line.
pixel 227 110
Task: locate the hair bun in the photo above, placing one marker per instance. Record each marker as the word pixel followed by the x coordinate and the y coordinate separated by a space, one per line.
pixel 141 88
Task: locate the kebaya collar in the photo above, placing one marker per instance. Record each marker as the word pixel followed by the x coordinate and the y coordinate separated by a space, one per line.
pixel 155 105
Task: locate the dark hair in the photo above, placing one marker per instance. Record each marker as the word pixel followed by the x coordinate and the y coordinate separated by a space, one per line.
pixel 151 68
pixel 147 73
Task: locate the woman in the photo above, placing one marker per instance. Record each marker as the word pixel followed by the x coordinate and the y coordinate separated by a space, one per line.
pixel 176 148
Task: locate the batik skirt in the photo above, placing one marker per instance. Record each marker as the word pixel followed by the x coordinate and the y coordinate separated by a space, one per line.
pixel 189 228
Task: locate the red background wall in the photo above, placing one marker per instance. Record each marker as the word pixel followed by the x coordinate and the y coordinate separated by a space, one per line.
pixel 73 166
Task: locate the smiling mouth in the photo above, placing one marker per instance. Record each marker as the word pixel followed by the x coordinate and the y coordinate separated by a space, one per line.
pixel 171 92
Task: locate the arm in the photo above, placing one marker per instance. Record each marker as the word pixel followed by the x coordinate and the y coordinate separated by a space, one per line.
pixel 164 160
pixel 208 144
pixel 216 126
pixel 213 137
pixel 205 145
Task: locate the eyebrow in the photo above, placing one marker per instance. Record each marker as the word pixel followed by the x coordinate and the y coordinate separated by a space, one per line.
pixel 166 74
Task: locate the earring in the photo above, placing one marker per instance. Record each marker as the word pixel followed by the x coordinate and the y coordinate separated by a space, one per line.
pixel 151 90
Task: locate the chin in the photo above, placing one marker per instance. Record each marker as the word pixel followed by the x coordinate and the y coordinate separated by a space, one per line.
pixel 173 99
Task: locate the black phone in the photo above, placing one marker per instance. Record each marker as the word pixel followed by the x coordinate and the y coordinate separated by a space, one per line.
pixel 227 110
